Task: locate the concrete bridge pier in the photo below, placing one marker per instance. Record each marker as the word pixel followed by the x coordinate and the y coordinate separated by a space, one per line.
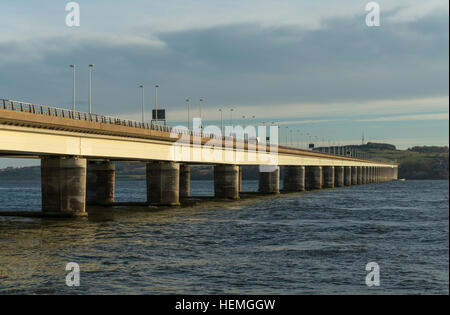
pixel 226 181
pixel 63 181
pixel 294 178
pixel 395 173
pixel 163 183
pixel 365 174
pixel 347 175
pixel 314 178
pixel 106 180
pixel 185 180
pixel 354 175
pixel 339 176
pixel 328 176
pixel 371 175
pixel 360 175
pixel 269 180
pixel 240 179
pixel 91 183
pixel 100 183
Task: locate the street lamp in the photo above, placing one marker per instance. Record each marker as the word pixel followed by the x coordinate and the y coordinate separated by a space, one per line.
pixel 243 117
pixel 221 120
pixel 142 87
pixel 156 103
pixel 287 133
pixel 188 102
pixel 90 87
pixel 200 112
pixel 231 117
pixel 73 90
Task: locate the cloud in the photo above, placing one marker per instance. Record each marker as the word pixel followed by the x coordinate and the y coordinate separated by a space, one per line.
pixel 437 116
pixel 239 65
pixel 317 112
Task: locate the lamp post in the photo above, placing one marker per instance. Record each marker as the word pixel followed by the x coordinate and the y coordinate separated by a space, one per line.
pixel 188 102
pixel 287 132
pixel 221 120
pixel 156 103
pixel 200 108
pixel 308 135
pixel 73 89
pixel 231 117
pixel 245 122
pixel 90 87
pixel 142 87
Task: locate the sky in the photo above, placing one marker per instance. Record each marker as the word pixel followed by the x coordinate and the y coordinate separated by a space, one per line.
pixel 311 66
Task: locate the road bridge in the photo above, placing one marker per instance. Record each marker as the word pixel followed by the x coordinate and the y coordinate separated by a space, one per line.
pixel 77 151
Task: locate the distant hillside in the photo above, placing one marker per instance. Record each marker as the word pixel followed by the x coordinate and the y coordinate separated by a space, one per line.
pixel 20 173
pixel 425 162
pixel 420 162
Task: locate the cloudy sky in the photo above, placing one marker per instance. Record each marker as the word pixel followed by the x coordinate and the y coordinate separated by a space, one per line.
pixel 314 66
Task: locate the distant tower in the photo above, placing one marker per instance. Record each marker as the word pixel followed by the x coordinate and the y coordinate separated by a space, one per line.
pixel 362 138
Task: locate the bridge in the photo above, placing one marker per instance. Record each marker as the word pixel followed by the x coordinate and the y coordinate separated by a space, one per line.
pixel 77 151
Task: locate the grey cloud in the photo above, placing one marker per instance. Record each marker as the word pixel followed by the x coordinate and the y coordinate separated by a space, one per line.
pixel 240 64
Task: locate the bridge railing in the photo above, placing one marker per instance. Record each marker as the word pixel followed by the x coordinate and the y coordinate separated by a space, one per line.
pixel 83 116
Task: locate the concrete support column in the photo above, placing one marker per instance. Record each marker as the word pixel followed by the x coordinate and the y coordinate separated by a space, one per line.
pixel 314 179
pixel 91 183
pixel 240 179
pixel 269 182
pixel 328 176
pixel 347 175
pixel 226 181
pixel 370 174
pixel 339 176
pixel 294 178
pixel 395 172
pixel 360 175
pixel 185 180
pixel 163 183
pixel 106 181
pixel 100 183
pixel 63 183
pixel 354 175
pixel 365 174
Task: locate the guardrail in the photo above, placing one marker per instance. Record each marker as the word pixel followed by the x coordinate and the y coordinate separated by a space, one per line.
pixel 83 116
pixel 76 115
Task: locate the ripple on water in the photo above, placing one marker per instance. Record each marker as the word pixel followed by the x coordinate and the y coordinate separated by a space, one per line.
pixel 290 244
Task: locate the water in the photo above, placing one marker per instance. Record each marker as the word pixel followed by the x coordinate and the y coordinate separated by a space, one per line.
pixel 305 243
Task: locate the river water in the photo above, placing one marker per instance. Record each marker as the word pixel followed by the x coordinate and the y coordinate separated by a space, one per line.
pixel 301 243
